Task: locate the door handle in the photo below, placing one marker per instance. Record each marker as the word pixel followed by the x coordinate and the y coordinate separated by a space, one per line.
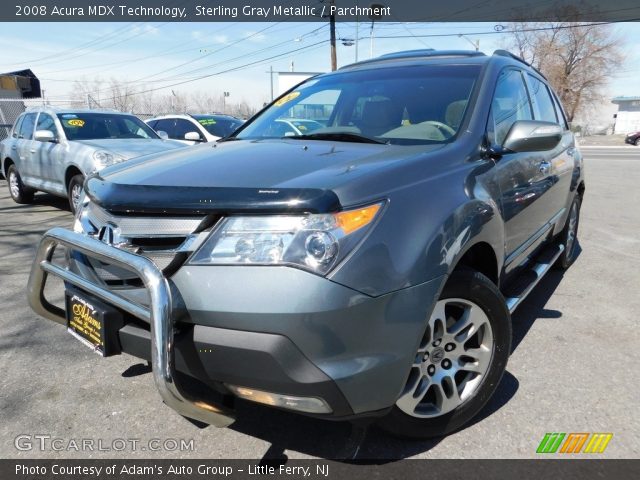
pixel 545 167
pixel 13 147
pixel 33 150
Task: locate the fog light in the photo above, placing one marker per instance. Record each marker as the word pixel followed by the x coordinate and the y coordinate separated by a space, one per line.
pixel 301 404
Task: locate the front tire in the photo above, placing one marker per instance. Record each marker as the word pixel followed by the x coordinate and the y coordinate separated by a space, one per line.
pixel 74 191
pixel 18 191
pixel 459 362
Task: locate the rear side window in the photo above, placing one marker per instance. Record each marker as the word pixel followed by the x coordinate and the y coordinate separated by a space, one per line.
pixel 16 127
pixel 542 101
pixel 561 118
pixel 510 103
pixel 27 126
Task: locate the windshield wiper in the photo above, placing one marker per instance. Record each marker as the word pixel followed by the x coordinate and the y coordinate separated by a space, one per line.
pixel 339 136
pixel 227 139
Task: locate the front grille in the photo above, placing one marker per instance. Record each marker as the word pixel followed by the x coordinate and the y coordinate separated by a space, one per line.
pixel 166 241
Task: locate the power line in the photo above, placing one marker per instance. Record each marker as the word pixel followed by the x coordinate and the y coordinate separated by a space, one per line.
pixel 306 47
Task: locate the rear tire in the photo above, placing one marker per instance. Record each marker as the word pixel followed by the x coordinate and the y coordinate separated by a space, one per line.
pixel 465 358
pixel 636 142
pixel 569 235
pixel 18 191
pixel 74 191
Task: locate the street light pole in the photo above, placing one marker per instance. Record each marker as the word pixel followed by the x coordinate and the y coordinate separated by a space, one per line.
pixel 332 26
pixel 476 44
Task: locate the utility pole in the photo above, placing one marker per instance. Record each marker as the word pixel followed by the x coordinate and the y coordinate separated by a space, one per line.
pixel 271 78
pixel 332 26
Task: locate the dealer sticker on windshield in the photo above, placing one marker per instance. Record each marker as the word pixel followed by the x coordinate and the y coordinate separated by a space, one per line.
pixel 76 122
pixel 287 98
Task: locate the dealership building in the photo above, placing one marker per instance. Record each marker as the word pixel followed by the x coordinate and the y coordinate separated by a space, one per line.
pixel 628 117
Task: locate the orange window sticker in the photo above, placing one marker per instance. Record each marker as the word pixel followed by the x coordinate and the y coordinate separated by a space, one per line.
pixel 287 98
pixel 76 122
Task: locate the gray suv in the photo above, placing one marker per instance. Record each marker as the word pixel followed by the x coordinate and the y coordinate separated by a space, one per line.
pixel 367 268
pixel 53 150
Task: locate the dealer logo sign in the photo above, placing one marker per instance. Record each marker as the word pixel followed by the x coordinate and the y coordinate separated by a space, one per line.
pixel 574 442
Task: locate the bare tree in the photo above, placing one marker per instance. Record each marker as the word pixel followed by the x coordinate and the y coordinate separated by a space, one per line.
pixel 578 59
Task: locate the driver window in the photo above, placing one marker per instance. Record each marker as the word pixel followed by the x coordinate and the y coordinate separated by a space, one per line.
pixel 510 103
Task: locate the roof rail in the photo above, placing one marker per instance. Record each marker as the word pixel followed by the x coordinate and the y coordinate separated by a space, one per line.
pixel 507 53
pixel 425 52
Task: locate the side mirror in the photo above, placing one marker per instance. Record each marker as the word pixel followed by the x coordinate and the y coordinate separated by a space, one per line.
pixel 193 137
pixel 44 136
pixel 532 136
pixel 163 135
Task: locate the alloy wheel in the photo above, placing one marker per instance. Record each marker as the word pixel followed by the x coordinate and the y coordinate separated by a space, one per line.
pixel 452 360
pixel 14 184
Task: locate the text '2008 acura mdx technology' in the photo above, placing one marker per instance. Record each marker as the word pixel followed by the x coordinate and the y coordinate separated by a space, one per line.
pixel 367 268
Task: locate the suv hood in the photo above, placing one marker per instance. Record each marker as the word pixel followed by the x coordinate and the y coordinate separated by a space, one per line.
pixel 130 148
pixel 256 175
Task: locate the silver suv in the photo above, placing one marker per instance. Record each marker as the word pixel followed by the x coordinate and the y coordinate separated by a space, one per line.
pixel 53 150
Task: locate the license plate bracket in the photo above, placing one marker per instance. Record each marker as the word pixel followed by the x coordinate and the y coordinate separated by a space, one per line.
pixel 93 322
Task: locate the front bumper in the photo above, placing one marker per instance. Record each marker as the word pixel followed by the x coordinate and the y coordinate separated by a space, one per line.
pixel 275 329
pixel 159 313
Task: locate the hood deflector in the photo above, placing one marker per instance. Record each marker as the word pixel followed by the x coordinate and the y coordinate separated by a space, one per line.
pixel 151 199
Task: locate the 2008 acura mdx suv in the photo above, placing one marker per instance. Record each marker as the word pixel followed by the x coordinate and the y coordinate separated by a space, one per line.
pixel 367 268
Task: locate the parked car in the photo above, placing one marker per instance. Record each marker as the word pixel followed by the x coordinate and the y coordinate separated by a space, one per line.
pixel 633 138
pixel 53 150
pixel 192 129
pixel 285 127
pixel 367 269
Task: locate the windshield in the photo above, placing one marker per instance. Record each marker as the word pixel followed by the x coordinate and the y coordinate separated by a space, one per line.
pixel 408 106
pixel 96 126
pixel 217 125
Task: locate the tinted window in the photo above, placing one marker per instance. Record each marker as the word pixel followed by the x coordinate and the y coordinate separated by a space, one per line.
pixel 562 119
pixel 165 125
pixel 27 126
pixel 182 127
pixel 16 127
pixel 510 103
pixel 412 105
pixel 542 102
pixel 46 122
pixel 152 124
pixel 93 126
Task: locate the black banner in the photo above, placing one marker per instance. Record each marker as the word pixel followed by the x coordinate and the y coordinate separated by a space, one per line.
pixel 582 469
pixel 314 10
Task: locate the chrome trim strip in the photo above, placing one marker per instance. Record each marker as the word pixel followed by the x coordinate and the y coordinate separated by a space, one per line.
pixel 160 314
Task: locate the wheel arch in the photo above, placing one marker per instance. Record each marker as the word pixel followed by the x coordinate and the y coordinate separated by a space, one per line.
pixel 70 172
pixel 482 258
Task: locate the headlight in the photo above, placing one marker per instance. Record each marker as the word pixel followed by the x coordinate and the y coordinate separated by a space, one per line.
pixel 102 158
pixel 312 242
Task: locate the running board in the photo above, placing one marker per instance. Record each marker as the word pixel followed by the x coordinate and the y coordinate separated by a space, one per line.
pixel 526 282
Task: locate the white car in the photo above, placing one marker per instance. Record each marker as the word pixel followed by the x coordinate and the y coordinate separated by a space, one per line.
pixel 53 150
pixel 192 129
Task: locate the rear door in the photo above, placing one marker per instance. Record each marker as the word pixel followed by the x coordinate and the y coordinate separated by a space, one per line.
pixel 557 163
pixel 522 181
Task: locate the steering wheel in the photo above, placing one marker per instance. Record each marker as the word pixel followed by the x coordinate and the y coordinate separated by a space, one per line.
pixel 443 127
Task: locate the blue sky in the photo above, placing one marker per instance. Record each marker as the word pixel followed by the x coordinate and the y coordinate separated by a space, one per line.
pixel 155 55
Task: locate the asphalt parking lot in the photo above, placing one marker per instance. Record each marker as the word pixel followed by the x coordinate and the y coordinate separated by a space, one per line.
pixel 574 367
